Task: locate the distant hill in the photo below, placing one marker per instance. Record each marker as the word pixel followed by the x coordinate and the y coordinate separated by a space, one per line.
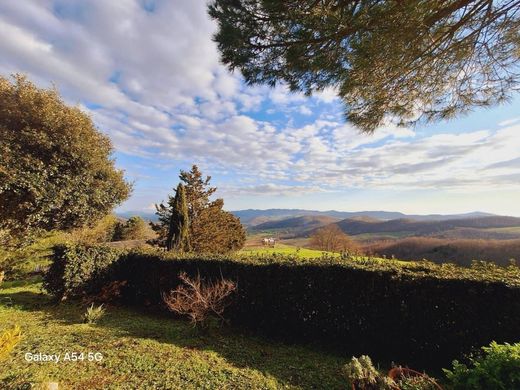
pixel 356 226
pixel 461 252
pixel 147 216
pixel 252 217
pixel 298 225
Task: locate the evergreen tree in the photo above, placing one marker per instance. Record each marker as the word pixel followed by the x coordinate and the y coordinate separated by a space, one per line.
pixel 178 232
pixel 198 191
pixel 211 229
pixel 408 59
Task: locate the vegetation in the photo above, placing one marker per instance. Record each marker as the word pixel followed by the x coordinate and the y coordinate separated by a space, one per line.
pixel 405 60
pixel 134 228
pixel 56 170
pixel 211 229
pixel 78 270
pixel 94 314
pixel 342 303
pixel 141 350
pixel 362 374
pixel 284 251
pixel 178 238
pixel 461 252
pixel 331 238
pixel 104 230
pixel 497 367
pixel 9 338
pixel 20 262
pixel 200 300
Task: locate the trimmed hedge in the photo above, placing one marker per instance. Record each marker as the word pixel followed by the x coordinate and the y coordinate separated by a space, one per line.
pixel 423 315
pixel 79 270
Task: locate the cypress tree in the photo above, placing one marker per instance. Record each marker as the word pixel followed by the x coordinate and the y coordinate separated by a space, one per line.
pixel 209 227
pixel 178 233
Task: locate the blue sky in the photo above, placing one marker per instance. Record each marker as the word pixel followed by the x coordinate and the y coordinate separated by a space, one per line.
pixel 149 75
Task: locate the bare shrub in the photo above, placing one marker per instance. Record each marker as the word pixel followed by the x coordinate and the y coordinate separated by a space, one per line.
pixel 200 300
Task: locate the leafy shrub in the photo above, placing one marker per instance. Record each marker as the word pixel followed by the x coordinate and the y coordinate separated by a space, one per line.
pixel 498 368
pixel 8 340
pixel 78 270
pixel 135 228
pixel 93 314
pixel 200 300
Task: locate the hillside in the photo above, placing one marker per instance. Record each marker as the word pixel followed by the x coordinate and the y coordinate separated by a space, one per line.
pixel 461 252
pixel 297 224
pixel 430 228
pixel 253 217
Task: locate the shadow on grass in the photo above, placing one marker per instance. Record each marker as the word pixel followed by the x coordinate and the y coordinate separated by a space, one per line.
pixel 36 300
pixel 290 365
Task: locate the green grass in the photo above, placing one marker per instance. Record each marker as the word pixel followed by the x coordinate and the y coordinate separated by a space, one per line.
pixel 305 253
pixel 24 261
pixel 149 351
pixel 284 249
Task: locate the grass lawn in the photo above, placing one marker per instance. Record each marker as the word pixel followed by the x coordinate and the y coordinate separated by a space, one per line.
pixel 146 351
pixel 284 249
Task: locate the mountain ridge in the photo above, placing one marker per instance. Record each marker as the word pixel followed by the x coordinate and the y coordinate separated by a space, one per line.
pixel 248 216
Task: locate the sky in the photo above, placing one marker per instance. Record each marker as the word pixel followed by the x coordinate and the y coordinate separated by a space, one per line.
pixel 148 73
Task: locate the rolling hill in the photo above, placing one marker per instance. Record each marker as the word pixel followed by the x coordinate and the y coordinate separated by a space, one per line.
pixel 253 217
pixel 297 225
pixel 425 228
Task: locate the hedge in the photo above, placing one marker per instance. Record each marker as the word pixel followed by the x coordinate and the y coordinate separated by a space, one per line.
pixel 423 315
pixel 78 270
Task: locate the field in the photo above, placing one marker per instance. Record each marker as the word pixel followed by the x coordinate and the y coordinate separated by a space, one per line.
pixel 149 351
pixel 285 249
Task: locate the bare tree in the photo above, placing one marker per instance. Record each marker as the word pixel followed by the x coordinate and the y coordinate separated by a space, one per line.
pixel 331 238
pixel 200 300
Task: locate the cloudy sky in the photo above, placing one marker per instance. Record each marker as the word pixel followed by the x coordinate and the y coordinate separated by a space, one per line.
pixel 149 75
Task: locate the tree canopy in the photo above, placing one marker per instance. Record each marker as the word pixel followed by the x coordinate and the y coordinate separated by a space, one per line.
pixel 56 169
pixel 211 229
pixel 401 61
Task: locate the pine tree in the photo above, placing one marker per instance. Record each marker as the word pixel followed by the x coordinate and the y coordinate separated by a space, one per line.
pixel 178 232
pixel 405 60
pixel 198 191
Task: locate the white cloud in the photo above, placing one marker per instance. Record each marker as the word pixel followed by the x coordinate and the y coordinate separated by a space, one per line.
pixel 154 83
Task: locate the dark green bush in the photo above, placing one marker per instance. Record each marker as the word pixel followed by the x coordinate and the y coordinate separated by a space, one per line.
pixel 422 315
pixel 497 368
pixel 77 270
